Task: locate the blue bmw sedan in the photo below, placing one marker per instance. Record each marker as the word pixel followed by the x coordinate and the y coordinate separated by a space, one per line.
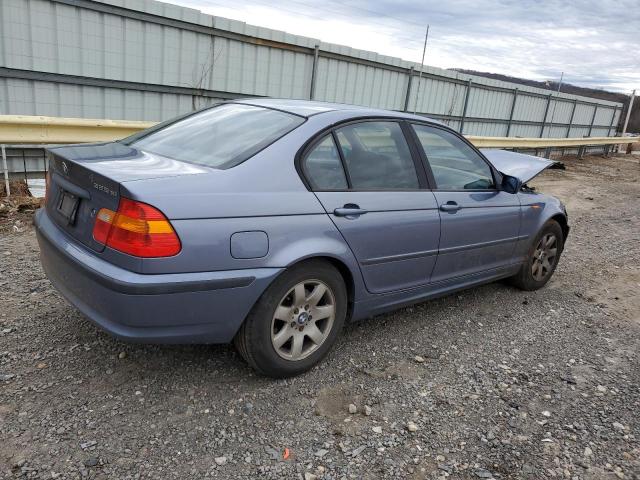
pixel 270 223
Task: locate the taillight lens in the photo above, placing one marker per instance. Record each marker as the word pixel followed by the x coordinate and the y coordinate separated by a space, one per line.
pixel 137 229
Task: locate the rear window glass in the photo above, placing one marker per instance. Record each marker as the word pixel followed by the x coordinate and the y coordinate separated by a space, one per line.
pixel 219 137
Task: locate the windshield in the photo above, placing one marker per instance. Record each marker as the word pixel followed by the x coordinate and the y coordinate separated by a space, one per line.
pixel 219 137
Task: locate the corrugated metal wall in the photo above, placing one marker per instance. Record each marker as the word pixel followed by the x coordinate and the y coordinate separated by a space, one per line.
pixel 147 60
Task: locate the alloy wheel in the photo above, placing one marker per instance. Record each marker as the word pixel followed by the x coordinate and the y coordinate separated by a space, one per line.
pixel 544 257
pixel 303 320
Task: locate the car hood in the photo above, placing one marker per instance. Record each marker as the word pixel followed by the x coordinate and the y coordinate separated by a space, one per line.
pixel 523 167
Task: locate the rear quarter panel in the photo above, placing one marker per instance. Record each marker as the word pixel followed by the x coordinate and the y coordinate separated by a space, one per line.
pixel 206 243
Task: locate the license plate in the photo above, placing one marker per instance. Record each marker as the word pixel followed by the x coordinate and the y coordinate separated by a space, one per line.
pixel 68 206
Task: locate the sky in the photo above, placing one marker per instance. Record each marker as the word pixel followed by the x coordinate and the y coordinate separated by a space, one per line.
pixel 595 43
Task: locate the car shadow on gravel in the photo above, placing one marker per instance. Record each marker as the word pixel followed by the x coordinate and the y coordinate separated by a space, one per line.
pixel 107 356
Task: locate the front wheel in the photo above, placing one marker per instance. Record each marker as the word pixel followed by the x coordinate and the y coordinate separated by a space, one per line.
pixel 296 320
pixel 542 258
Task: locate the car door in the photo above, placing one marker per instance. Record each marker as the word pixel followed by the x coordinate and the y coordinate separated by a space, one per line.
pixel 479 223
pixel 372 185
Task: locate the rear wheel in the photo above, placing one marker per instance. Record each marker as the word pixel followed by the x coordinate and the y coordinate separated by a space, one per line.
pixel 542 258
pixel 296 320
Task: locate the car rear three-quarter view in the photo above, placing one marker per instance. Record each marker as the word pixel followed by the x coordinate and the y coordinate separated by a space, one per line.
pixel 272 222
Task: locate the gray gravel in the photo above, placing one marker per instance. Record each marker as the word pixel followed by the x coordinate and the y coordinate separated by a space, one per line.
pixel 489 383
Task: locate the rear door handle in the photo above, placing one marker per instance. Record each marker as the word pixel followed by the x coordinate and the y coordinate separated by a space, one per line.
pixel 350 210
pixel 451 207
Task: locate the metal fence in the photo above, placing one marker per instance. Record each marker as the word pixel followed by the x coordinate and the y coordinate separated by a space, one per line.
pixel 147 60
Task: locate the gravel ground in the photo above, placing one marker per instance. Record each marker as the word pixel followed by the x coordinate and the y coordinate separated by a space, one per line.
pixel 489 383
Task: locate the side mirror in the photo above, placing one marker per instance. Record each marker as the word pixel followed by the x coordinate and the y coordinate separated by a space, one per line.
pixel 510 184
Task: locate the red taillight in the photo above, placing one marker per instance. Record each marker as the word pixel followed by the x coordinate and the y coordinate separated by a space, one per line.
pixel 137 229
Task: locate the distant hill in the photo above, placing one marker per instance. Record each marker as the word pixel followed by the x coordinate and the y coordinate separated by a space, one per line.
pixel 634 120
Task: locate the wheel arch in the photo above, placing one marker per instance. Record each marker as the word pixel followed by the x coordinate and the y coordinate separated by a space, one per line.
pixel 564 224
pixel 344 270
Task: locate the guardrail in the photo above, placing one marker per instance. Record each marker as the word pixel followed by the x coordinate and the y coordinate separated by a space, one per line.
pixel 515 142
pixel 23 129
pixel 29 132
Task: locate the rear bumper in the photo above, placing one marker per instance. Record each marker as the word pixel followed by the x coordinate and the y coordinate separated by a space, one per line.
pixel 202 307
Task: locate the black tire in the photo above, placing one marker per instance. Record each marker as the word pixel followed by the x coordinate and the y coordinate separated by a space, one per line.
pixel 525 279
pixel 254 339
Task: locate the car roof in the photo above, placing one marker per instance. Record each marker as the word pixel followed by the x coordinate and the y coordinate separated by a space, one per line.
pixel 308 108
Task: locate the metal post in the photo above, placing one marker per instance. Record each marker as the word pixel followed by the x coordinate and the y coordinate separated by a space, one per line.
pixel 573 112
pixel 626 120
pixel 408 93
pixel 546 112
pixel 555 104
pixel 424 50
pixel 613 117
pixel 6 170
pixel 24 165
pixel 513 107
pixel 314 69
pixel 593 119
pixel 464 108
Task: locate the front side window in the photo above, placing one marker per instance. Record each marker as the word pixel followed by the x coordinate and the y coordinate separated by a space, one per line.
pixel 455 165
pixel 377 156
pixel 219 137
pixel 323 168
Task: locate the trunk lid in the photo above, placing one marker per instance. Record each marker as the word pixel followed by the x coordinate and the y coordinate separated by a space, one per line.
pixel 85 178
pixel 523 167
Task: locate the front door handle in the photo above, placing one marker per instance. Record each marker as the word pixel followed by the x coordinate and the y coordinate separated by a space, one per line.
pixel 451 207
pixel 350 210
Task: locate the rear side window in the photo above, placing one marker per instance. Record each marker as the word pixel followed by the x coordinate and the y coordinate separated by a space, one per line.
pixel 455 165
pixel 323 167
pixel 219 137
pixel 377 156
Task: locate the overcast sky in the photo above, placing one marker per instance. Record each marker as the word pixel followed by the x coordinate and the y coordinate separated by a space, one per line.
pixel 595 43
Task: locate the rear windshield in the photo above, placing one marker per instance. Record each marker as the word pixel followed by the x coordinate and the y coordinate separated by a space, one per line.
pixel 219 137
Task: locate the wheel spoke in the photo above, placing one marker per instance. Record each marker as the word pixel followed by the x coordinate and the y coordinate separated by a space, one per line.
pixel 551 253
pixel 314 333
pixel 551 240
pixel 282 336
pixel 317 294
pixel 319 313
pixel 546 265
pixel 283 313
pixel 296 345
pixel 299 294
pixel 538 273
pixel 535 267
